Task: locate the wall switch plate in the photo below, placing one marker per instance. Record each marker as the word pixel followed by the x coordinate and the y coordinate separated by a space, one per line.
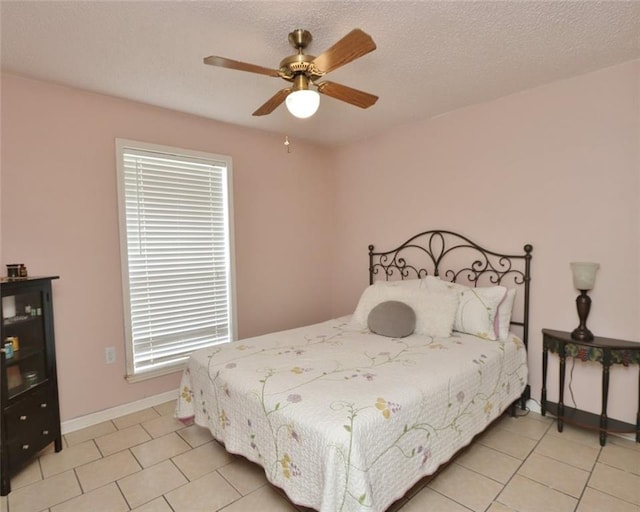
pixel 110 355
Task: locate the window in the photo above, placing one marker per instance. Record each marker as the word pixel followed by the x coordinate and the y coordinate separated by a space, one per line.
pixel 176 246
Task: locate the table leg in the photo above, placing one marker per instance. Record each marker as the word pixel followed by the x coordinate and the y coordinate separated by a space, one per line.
pixel 563 361
pixel 638 415
pixel 543 393
pixel 605 395
pixel 5 481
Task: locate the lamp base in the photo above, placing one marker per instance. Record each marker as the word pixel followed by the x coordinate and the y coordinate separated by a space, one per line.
pixel 583 303
pixel 580 334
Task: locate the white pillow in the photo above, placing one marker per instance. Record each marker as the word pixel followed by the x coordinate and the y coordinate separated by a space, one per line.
pixel 477 307
pixel 435 311
pixel 502 323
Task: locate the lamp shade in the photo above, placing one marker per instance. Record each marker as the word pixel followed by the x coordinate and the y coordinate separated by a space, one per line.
pixel 303 103
pixel 584 274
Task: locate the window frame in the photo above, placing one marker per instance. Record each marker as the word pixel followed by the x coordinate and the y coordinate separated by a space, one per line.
pixel 121 146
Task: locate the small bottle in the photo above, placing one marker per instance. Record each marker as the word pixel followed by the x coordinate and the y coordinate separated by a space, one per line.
pixel 22 270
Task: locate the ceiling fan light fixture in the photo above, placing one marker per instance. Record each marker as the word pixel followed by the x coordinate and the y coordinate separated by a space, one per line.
pixel 303 103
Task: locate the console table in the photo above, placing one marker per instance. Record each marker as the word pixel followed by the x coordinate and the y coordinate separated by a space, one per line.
pixel 608 352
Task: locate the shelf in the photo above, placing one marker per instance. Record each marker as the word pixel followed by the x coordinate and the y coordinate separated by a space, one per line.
pixel 15 320
pixel 588 420
pixel 23 354
pixel 15 392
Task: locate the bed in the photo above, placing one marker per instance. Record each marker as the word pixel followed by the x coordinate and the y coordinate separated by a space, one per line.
pixel 342 418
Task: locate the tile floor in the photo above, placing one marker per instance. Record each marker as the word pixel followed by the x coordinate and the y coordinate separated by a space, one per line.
pixel 150 462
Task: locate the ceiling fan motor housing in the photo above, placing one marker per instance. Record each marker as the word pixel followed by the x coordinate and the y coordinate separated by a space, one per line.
pixel 297 64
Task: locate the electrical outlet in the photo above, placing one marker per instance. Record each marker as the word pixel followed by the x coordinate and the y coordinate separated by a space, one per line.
pixel 110 355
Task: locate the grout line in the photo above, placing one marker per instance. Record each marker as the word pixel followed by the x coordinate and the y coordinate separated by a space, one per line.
pixel 522 462
pixel 226 480
pixel 122 494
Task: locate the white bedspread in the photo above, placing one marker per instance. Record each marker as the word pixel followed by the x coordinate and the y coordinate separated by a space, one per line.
pixel 344 420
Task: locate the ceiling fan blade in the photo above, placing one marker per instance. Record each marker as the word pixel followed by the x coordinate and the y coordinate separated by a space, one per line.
pixel 241 66
pixel 343 93
pixel 272 103
pixel 351 47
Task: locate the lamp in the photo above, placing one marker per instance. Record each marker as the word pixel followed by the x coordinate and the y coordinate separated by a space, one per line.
pixel 584 277
pixel 302 102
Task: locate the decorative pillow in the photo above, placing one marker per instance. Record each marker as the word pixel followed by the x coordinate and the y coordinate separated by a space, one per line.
pixel 502 323
pixel 393 319
pixel 435 311
pixel 477 306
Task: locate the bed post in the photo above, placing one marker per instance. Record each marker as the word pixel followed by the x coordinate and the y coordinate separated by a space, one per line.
pixel 371 264
pixel 526 395
pixel 527 278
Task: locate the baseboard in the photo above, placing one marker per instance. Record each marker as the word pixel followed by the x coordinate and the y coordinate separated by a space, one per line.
pixel 115 412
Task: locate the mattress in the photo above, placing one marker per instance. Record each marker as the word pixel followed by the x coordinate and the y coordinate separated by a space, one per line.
pixel 346 420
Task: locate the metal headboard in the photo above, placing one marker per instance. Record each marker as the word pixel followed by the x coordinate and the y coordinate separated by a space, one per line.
pixel 431 253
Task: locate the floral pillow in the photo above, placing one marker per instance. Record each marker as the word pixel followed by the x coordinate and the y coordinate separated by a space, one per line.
pixel 477 307
pixel 502 322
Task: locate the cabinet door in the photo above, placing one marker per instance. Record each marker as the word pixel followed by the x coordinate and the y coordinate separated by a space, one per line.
pixel 24 330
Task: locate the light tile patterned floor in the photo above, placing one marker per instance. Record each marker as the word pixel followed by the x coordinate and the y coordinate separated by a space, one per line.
pixel 150 462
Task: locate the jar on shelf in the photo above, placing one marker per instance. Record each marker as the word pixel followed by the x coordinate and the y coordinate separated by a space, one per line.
pixel 15 342
pixel 30 378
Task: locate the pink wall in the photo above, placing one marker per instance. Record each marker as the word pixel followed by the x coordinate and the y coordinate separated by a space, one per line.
pixel 557 167
pixel 59 216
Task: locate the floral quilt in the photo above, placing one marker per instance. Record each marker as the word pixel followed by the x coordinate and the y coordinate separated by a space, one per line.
pixel 345 420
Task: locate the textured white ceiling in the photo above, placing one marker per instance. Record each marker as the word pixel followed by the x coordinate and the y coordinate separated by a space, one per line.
pixel 432 57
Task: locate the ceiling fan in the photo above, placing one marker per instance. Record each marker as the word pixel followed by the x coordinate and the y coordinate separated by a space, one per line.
pixel 304 70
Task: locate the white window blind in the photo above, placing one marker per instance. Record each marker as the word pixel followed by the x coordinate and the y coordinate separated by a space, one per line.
pixel 175 229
